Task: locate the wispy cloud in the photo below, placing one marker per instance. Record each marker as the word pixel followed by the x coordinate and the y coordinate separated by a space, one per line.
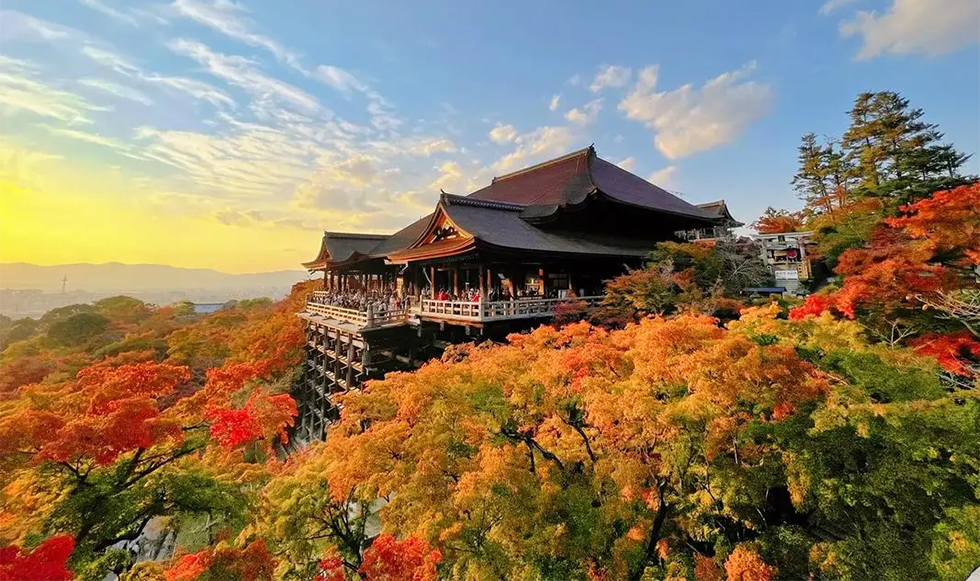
pixel 553 105
pixel 230 19
pixel 339 79
pixel 93 138
pixel 688 120
pixel 117 90
pixel 832 5
pixel 109 11
pixel 110 59
pixel 534 146
pixel 610 76
pixel 244 73
pixel 628 164
pixel 197 89
pixel 586 115
pixel 19 93
pixel 20 27
pixel 503 133
pixel 126 66
pixel 663 177
pixel 929 27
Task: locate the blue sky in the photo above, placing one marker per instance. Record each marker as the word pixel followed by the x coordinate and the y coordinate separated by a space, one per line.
pixel 249 127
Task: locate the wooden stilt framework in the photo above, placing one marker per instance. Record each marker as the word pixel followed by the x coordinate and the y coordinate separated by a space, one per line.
pixel 337 361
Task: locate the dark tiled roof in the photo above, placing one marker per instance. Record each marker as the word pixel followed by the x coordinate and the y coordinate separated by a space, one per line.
pixel 503 213
pixel 628 188
pixel 719 209
pixel 339 247
pixel 403 238
pixel 569 180
pixel 502 226
pixel 560 181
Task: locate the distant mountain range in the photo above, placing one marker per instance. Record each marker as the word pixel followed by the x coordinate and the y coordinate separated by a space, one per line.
pixel 121 278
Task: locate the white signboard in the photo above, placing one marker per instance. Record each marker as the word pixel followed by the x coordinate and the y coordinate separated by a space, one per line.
pixel 787 275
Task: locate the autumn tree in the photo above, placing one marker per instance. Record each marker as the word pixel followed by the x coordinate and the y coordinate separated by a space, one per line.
pixel 689 276
pixel 77 329
pixel 123 309
pixel 648 451
pixel 46 562
pixel 100 446
pixel 224 563
pixel 916 258
pixel 773 221
pixel 15 330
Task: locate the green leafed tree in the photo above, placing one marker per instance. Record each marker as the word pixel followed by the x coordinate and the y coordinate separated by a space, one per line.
pixel 895 153
pixel 77 329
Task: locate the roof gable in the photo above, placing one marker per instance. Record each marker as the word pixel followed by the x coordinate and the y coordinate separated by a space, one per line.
pixel 338 247
pixel 568 181
pixel 719 209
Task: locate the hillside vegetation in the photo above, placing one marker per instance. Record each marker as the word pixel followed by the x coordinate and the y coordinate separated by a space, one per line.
pixel 675 432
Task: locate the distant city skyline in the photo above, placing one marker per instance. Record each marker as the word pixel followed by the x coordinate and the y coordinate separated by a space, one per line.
pixel 222 135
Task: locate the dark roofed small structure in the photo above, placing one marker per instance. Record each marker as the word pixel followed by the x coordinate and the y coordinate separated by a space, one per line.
pixel 719 209
pixel 338 248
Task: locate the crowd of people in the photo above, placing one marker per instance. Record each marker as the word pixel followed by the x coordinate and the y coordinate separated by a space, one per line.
pixel 388 300
pixel 468 295
pixel 380 301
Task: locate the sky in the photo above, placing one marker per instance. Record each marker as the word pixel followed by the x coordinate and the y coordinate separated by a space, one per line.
pixel 229 135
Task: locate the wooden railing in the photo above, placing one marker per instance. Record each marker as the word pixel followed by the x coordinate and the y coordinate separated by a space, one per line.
pixel 497 310
pixel 466 310
pixel 367 318
pixel 525 308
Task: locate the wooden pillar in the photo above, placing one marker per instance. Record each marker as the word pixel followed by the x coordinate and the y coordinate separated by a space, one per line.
pixel 544 281
pixel 489 283
pixel 483 292
pixel 336 357
pixel 456 280
pixel 350 360
pixel 432 281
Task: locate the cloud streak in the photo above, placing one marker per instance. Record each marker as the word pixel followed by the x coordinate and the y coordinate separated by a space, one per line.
pixel 117 90
pixel 929 27
pixel 688 120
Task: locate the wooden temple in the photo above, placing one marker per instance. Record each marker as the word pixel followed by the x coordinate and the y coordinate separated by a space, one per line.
pixel 481 265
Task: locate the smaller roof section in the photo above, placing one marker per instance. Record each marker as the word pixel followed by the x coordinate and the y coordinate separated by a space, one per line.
pixel 340 247
pixel 719 209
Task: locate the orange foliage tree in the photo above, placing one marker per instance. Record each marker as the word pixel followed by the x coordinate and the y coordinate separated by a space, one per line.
pixel 46 562
pixel 930 250
pixel 224 563
pixel 617 454
pixel 773 221
pixel 101 450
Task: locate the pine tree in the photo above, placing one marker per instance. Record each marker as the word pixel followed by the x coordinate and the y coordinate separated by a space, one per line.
pixel 894 153
pixel 810 182
pixel 862 143
pixel 840 174
pixel 825 177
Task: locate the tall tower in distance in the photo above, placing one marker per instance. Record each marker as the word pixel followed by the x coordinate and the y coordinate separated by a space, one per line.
pixel 64 281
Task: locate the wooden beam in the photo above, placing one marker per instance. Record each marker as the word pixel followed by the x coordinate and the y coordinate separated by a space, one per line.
pixel 350 361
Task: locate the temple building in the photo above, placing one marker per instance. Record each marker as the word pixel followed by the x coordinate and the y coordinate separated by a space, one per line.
pixel 481 265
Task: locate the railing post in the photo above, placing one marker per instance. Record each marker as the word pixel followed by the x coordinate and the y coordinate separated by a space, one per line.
pixel 370 316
